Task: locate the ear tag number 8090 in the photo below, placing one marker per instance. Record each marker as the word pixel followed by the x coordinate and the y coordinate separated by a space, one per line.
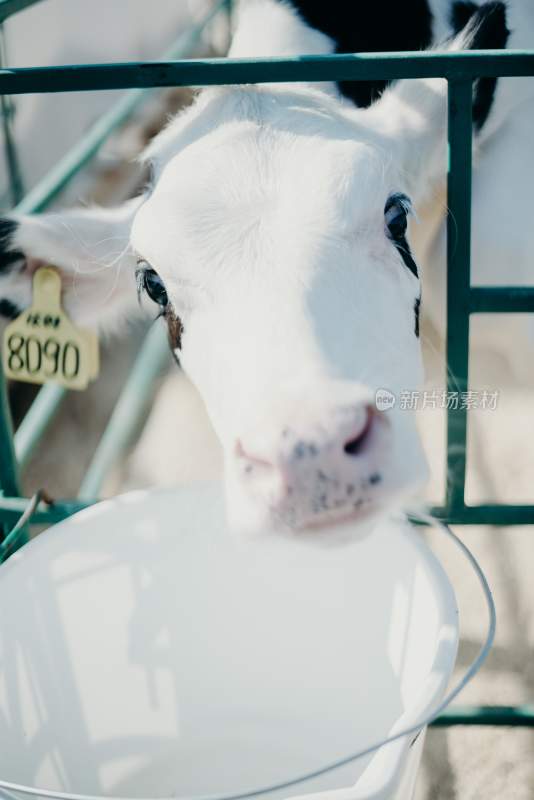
pixel 43 345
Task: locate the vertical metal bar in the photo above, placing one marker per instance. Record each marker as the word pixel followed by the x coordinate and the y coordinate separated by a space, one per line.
pixel 9 477
pixel 460 133
pixel 7 111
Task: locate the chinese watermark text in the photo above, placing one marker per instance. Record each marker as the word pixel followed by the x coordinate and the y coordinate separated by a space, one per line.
pixel 418 400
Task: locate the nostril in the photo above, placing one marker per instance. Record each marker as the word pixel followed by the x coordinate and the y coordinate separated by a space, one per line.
pixel 356 444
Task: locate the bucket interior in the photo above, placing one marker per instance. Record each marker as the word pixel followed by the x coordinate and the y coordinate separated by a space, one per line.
pixel 146 653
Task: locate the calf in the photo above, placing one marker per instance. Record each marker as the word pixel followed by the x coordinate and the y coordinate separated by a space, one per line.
pixel 274 239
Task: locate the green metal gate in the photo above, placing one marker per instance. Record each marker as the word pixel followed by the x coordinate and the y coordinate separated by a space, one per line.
pixel 463 300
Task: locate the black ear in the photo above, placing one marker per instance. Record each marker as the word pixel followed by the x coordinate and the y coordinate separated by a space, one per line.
pixel 484 28
pixel 9 255
pixel 11 261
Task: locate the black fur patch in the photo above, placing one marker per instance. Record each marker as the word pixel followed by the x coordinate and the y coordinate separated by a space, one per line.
pixel 417 310
pixel 7 229
pixel 8 257
pixel 406 254
pixel 369 27
pixel 9 309
pixel 461 13
pixel 490 33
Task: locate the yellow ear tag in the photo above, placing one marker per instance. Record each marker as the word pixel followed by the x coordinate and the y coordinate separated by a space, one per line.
pixel 43 345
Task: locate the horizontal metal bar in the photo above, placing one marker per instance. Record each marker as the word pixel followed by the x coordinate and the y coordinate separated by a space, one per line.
pixel 515 716
pixel 10 7
pixel 217 71
pixel 489 514
pixel 12 507
pixel 129 410
pixel 501 299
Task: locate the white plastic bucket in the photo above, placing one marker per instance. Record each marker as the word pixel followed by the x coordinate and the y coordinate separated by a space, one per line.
pixel 145 653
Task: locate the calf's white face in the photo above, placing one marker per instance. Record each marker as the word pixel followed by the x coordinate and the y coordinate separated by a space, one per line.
pixel 274 242
pixel 277 239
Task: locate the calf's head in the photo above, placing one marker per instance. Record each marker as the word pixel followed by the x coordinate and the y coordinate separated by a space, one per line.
pixel 274 241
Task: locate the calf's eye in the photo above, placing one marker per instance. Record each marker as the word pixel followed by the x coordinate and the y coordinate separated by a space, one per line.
pixel 396 212
pixel 155 288
pixel 149 281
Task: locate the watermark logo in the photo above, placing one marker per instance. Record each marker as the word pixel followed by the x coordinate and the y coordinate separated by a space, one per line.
pixel 408 400
pixel 384 399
